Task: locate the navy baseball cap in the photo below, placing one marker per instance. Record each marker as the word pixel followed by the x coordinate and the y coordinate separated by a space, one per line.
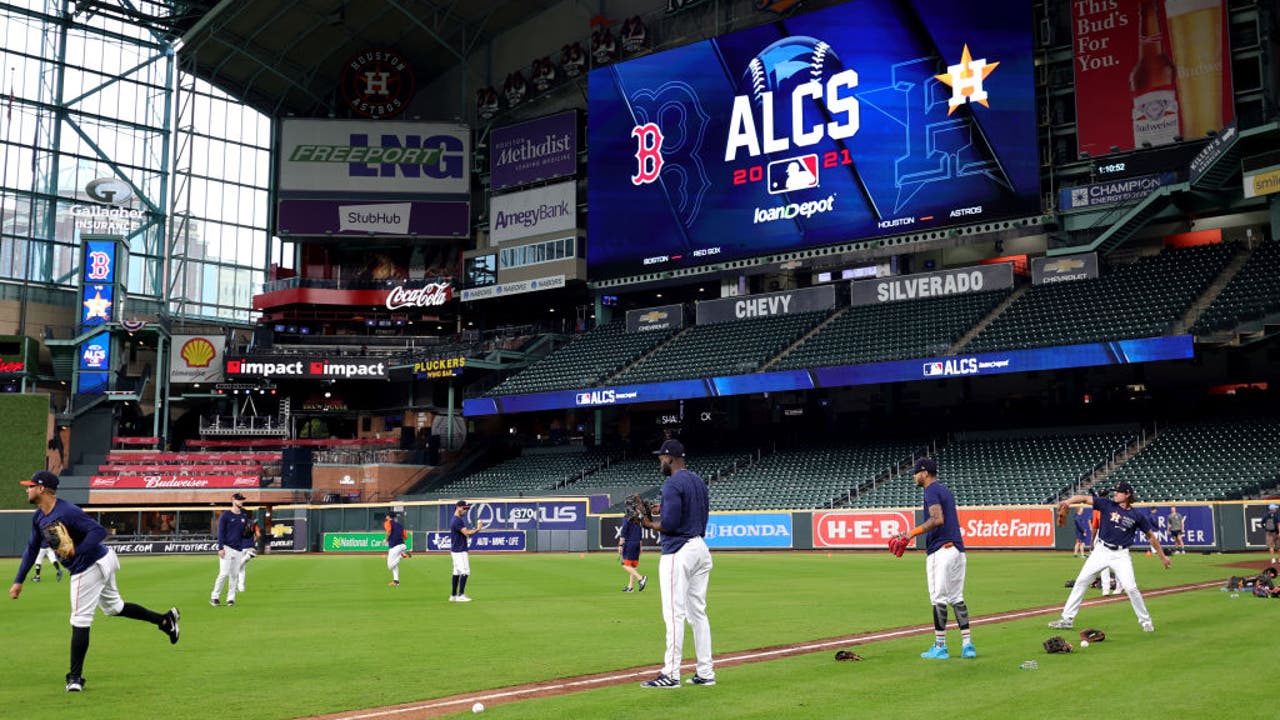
pixel 1123 487
pixel 463 503
pixel 42 478
pixel 237 496
pixel 925 464
pixel 671 447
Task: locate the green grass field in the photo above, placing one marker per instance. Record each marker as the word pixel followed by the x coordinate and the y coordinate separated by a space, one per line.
pixel 316 634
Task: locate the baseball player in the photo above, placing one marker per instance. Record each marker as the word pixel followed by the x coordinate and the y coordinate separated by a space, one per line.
pixel 1119 522
pixel 92 566
pixel 629 552
pixel 232 546
pixel 1176 524
pixel 1083 532
pixel 684 569
pixel 46 552
pixel 945 562
pixel 458 535
pixel 1271 528
pixel 396 547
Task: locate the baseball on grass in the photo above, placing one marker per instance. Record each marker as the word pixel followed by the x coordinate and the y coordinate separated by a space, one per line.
pixel 477 708
pixel 1084 643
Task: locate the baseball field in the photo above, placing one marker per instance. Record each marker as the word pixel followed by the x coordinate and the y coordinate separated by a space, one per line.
pixel 319 634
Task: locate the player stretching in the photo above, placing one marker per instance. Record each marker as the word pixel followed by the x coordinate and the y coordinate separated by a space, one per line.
pixel 77 539
pixel 396 547
pixel 945 565
pixel 1119 520
pixel 684 568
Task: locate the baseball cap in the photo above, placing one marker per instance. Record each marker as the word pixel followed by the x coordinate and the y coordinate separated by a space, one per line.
pixel 237 496
pixel 925 464
pixel 463 503
pixel 1123 487
pixel 43 478
pixel 1273 506
pixel 673 447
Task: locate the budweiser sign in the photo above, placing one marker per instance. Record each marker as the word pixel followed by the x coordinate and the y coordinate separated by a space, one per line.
pixel 170 482
pixel 425 296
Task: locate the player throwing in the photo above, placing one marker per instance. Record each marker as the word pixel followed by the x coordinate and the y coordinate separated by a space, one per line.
pixel 1118 522
pixel 945 562
pixel 459 536
pixel 396 547
pixel 77 538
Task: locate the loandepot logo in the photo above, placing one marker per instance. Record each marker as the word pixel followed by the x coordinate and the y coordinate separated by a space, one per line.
pixel 965 80
pixel 793 210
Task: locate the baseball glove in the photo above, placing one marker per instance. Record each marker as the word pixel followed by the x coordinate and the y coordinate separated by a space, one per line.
pixel 898 545
pixel 637 507
pixel 1093 635
pixel 59 539
pixel 1057 644
pixel 847 656
pixel 1062 515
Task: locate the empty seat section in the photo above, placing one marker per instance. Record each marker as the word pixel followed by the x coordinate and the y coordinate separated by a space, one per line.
pixel 1251 295
pixel 1211 460
pixel 584 362
pixel 807 477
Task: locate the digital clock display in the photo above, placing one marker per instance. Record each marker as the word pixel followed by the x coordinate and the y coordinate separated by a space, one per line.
pixel 1108 168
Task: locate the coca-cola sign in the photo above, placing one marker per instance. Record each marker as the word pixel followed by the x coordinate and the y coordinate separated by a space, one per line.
pixel 430 295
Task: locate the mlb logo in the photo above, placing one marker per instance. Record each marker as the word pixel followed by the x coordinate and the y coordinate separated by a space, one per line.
pixel 1079 197
pixel 797 173
pixel 582 398
pixel 932 368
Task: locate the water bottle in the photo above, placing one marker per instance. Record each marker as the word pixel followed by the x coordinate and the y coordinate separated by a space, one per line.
pixel 1030 665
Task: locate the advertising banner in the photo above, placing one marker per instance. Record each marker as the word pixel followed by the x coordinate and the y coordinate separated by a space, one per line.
pixel 749 530
pixel 551 282
pixel 162 547
pixel 1212 152
pixel 1027 527
pixel 287 535
pixel 870 118
pixel 172 482
pixel 353 158
pixel 417 218
pixel 314 368
pixel 957 281
pixel 510 540
pixel 354 542
pixel 611 530
pixel 1197 527
pixel 667 317
pixel 1045 270
pixel 786 302
pixel 531 515
pixel 551 208
pixel 196 359
pixel 1167 59
pixel 540 149
pixel 1263 181
pixel 1130 189
pixel 859 528
pixel 1254 535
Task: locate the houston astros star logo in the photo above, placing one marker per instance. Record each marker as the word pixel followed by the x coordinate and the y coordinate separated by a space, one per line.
pixel 965 80
pixel 97 307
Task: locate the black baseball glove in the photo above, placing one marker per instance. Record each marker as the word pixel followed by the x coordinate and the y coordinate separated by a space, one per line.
pixel 636 507
pixel 1093 635
pixel 847 656
pixel 1057 644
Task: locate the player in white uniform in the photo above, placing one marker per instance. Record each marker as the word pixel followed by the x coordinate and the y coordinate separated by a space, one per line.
pixel 232 545
pixel 684 570
pixel 46 553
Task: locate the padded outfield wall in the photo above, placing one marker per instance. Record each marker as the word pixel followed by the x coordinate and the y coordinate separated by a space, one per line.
pixel 25 427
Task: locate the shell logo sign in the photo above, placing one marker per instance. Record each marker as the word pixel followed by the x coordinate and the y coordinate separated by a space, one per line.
pixel 196 359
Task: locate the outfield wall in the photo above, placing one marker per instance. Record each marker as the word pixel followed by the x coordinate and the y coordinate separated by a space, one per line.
pixel 576 524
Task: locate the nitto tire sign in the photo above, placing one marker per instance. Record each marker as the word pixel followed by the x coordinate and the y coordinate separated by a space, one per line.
pixel 858 529
pixel 162 547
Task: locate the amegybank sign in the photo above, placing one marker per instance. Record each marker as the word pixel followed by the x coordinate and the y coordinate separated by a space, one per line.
pixel 552 208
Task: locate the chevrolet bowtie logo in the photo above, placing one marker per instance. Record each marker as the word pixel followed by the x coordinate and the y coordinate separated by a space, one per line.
pixel 653 316
pixel 1061 266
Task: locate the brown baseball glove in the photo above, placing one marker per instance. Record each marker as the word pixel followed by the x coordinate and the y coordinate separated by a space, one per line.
pixel 1057 644
pixel 847 656
pixel 59 539
pixel 1062 515
pixel 1093 635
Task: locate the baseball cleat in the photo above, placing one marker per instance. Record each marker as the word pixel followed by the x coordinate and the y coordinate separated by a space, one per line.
pixel 644 580
pixel 394 583
pixel 231 603
pixel 699 680
pixel 662 681
pixel 169 626
pixel 214 602
pixel 1060 624
pixel 627 589
pixel 453 598
pixel 35 579
pixel 75 683
pixel 462 598
pixel 968 651
pixel 937 652
pixel 1148 627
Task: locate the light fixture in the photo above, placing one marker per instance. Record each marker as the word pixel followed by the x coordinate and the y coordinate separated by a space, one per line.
pixel 328 394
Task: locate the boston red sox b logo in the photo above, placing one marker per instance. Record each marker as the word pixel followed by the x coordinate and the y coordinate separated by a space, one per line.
pixel 99 266
pixel 648 153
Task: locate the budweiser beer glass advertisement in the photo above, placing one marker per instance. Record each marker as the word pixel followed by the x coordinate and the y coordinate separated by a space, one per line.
pixel 1149 71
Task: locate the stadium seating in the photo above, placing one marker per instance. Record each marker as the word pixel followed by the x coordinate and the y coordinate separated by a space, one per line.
pixel 732 348
pixel 892 331
pixel 807 477
pixel 1251 294
pixel 527 474
pixel 1142 299
pixel 988 470
pixel 1223 460
pixel 584 362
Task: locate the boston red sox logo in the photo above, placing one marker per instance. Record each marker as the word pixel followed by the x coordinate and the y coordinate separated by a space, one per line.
pixel 99 265
pixel 648 153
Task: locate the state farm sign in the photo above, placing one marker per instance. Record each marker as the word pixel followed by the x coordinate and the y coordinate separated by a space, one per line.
pixel 1007 527
pixel 426 296
pixel 858 529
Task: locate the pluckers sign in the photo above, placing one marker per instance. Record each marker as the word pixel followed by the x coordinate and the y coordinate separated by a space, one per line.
pixel 431 295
